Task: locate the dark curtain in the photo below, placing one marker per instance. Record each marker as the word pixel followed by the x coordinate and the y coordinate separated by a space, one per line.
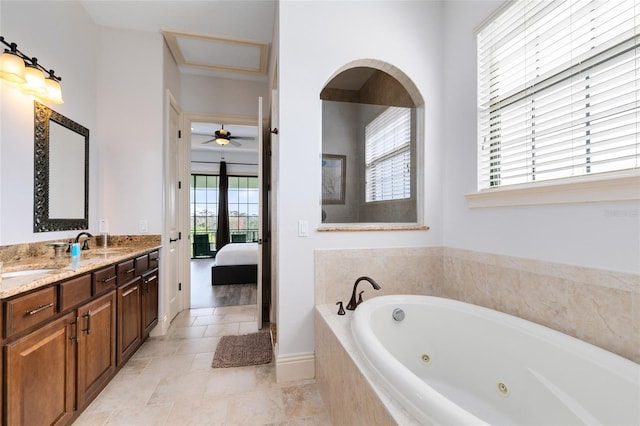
pixel 222 234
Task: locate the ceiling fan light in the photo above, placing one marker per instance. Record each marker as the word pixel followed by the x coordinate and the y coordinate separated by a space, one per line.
pixel 222 141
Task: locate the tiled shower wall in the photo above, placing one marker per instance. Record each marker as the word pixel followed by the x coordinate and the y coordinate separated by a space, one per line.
pixel 597 306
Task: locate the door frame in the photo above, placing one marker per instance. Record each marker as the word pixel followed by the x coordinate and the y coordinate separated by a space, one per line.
pixel 183 274
pixel 188 119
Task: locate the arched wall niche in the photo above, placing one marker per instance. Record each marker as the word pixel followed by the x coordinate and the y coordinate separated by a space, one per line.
pixel 355 97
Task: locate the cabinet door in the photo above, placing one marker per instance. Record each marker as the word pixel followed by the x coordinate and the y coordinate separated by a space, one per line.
pixel 40 375
pixel 149 302
pixel 96 346
pixel 129 328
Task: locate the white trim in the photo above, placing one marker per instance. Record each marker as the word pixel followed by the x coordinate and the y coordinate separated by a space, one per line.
pixel 291 368
pixel 161 328
pixel 489 19
pixel 616 186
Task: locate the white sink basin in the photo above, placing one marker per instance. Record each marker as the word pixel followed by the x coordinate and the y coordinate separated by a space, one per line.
pixel 25 272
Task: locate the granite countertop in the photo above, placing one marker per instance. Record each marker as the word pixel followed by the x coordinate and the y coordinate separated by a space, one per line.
pixel 56 269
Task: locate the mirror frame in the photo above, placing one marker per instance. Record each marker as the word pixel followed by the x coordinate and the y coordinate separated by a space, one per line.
pixel 41 220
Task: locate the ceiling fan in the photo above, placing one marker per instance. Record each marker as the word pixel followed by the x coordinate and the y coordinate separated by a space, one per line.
pixel 223 137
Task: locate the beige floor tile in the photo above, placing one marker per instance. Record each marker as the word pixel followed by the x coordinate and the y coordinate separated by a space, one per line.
pixel 169 381
pixel 196 412
pixel 202 361
pixel 179 387
pixel 124 392
pixel 194 346
pixel 168 365
pixel 229 381
pixel 93 419
pixel 230 329
pixel 146 415
pixel 256 408
pixel 209 319
pixel 186 332
pixel 248 327
pixel 155 347
pixel 302 401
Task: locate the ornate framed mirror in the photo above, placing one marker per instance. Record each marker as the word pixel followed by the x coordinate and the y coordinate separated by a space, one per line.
pixel 61 172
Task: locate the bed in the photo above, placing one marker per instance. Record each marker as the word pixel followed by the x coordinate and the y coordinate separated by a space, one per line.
pixel 236 263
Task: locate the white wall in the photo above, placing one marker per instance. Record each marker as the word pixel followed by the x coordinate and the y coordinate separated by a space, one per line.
pixel 214 95
pixel 599 235
pixel 130 121
pixel 35 27
pixel 404 34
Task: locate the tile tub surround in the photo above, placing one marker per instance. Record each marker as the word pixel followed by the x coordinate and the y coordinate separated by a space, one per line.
pixel 598 306
pixel 40 255
pixel 349 388
pixel 415 270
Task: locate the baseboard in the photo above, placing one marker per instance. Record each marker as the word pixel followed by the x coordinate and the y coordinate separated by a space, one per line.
pixel 161 328
pixel 291 368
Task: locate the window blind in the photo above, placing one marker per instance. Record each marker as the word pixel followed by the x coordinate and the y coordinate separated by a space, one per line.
pixel 388 155
pixel 558 91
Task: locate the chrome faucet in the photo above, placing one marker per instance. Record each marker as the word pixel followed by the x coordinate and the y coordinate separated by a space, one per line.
pixel 353 304
pixel 85 245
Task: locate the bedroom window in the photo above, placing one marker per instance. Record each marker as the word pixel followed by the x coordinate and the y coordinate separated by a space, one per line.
pixel 558 91
pixel 243 211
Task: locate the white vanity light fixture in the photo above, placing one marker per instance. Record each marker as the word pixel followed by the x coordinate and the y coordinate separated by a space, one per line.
pixel 28 74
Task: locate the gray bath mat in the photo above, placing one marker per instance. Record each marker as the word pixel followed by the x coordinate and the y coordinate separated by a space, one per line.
pixel 240 351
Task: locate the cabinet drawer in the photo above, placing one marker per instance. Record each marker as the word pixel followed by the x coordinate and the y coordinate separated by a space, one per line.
pixel 74 292
pixel 154 257
pixel 126 271
pixel 29 310
pixel 104 279
pixel 142 264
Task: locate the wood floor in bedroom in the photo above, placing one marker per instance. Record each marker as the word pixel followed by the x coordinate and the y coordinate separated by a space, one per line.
pixel 204 295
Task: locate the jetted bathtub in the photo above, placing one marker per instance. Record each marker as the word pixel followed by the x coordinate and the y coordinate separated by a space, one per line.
pixel 453 363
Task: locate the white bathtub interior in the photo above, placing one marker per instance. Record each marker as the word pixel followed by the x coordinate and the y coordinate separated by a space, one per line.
pixel 455 363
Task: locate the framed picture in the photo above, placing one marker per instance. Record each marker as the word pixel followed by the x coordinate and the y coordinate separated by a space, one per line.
pixel 333 178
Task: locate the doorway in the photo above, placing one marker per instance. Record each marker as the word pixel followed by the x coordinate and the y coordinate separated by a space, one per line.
pixel 242 218
pixel 242 161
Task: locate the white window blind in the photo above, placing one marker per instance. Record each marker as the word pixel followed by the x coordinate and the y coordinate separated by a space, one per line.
pixel 388 155
pixel 558 91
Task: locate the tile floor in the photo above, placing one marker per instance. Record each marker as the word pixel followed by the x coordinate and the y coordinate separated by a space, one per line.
pixel 169 381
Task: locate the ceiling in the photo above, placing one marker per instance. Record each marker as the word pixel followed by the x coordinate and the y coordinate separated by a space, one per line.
pixel 221 38
pixel 216 37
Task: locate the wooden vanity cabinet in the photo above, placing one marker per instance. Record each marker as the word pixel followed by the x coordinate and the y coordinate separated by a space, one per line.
pixel 149 301
pixel 64 342
pixel 40 375
pixel 96 346
pixel 129 317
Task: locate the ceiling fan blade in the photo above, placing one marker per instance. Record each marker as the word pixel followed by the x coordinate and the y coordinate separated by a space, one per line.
pixel 209 141
pixel 243 138
pixel 234 143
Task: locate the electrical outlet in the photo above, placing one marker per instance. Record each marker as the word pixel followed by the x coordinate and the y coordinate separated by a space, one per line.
pixel 103 226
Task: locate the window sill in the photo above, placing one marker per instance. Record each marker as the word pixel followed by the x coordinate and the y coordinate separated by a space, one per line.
pixel 622 186
pixel 371 227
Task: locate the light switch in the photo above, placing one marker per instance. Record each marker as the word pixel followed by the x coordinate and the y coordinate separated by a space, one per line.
pixel 303 228
pixel 143 226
